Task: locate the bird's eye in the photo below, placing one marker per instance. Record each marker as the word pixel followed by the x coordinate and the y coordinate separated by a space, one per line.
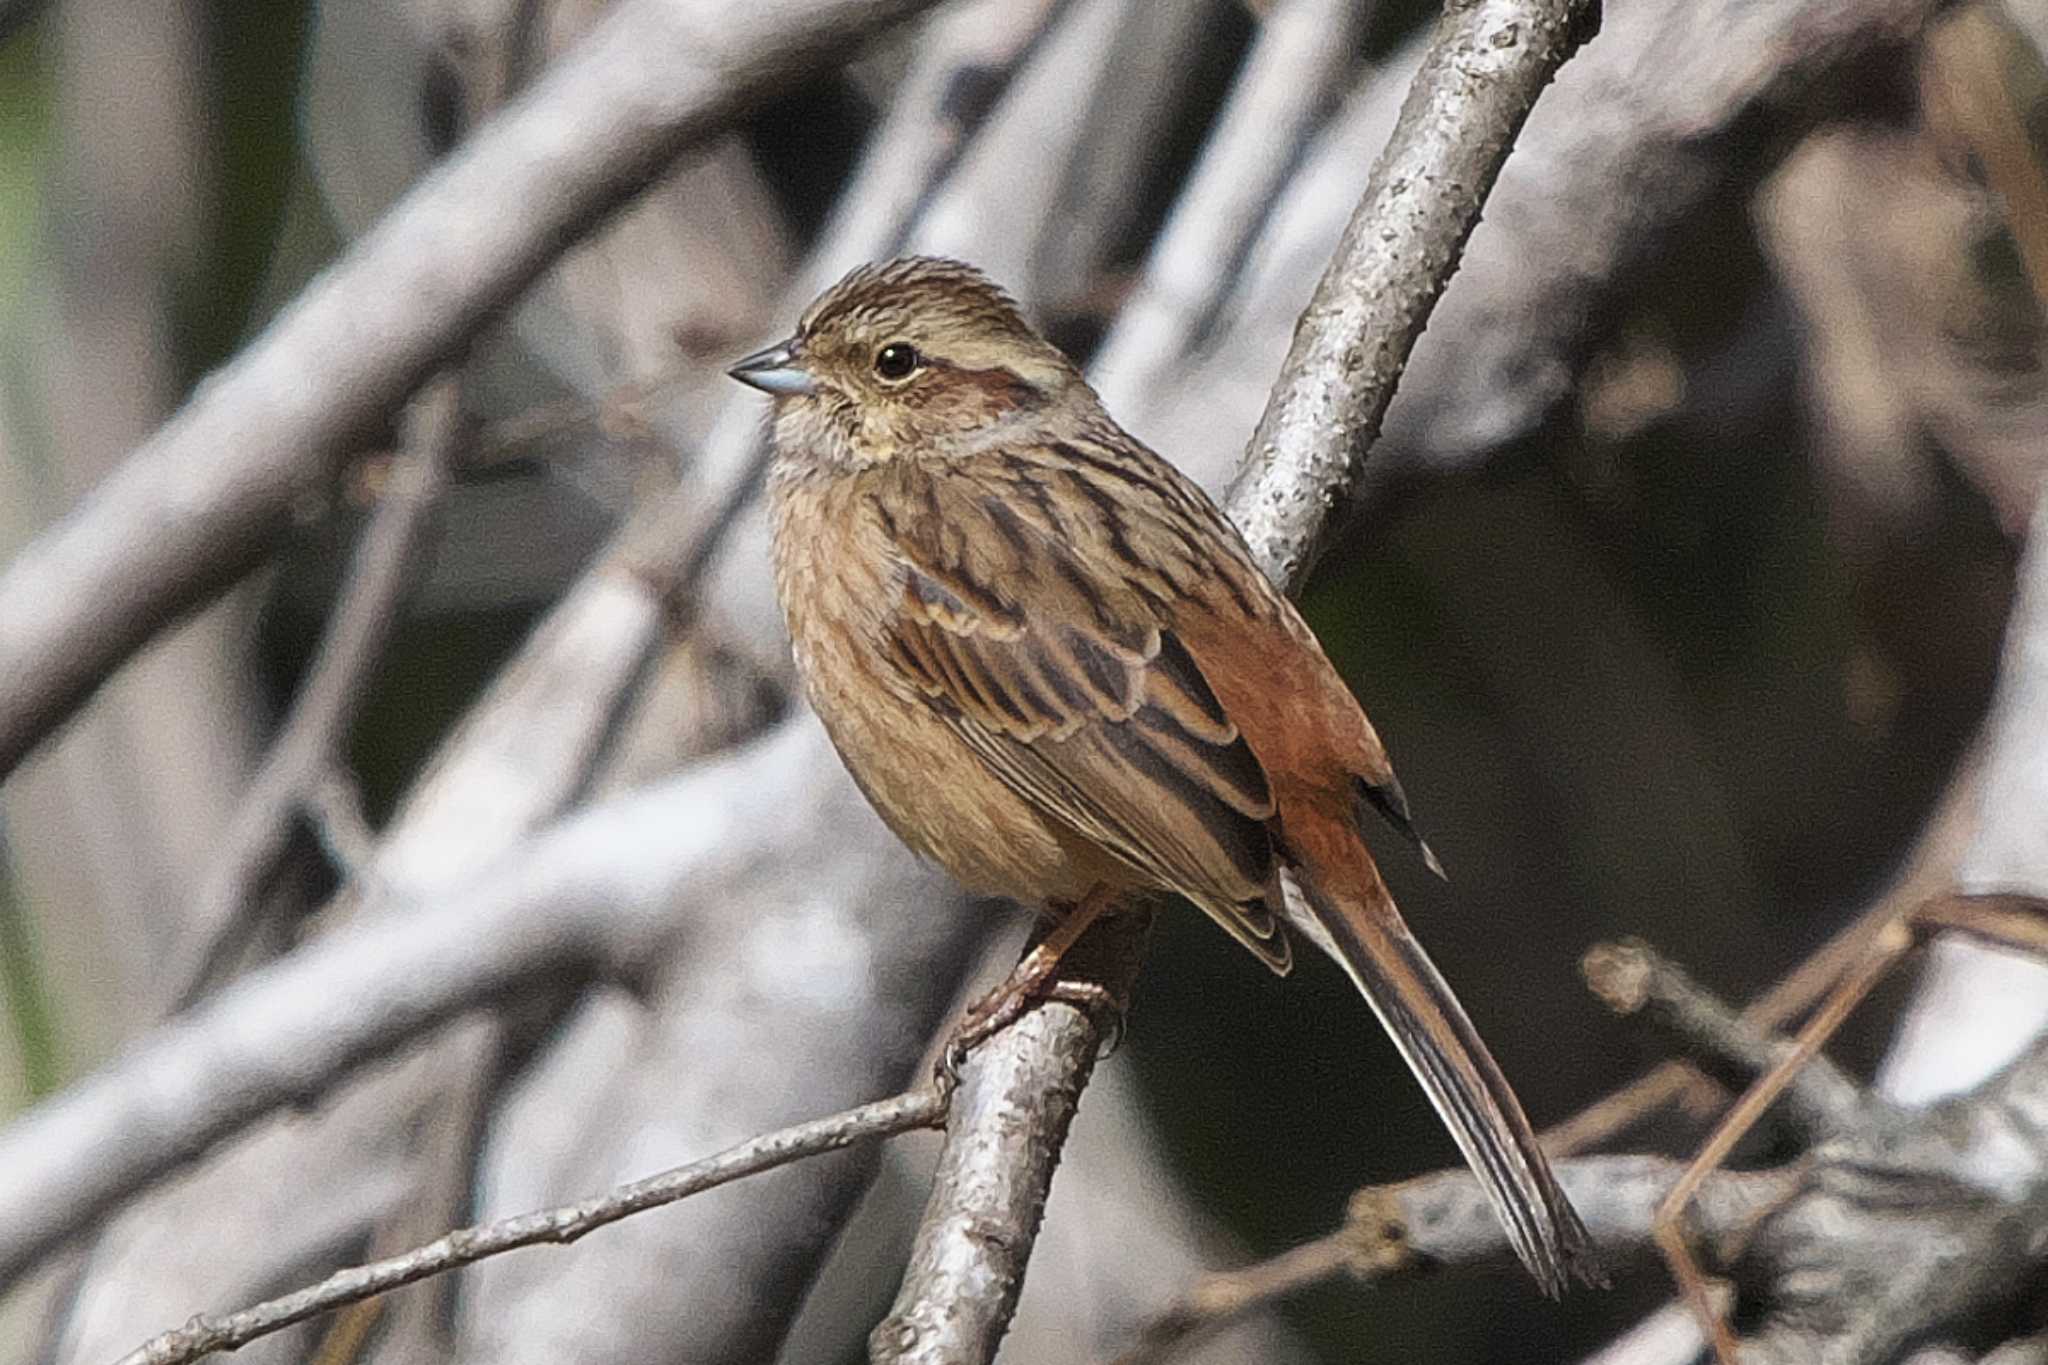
pixel 898 360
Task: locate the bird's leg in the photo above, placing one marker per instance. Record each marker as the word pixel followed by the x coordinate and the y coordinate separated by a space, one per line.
pixel 1028 981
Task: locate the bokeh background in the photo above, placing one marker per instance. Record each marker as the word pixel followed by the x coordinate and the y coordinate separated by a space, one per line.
pixel 1677 589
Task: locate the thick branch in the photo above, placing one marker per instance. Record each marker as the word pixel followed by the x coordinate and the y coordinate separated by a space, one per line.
pixel 195 504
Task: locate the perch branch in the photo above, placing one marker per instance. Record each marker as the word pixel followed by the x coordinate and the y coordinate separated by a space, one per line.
pixel 1487 63
pixel 1017 1098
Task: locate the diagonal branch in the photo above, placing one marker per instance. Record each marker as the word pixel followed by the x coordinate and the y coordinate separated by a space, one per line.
pixel 1434 1221
pixel 1479 79
pixel 578 895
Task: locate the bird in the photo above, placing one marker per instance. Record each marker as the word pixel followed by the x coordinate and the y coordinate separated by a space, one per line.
pixel 1052 666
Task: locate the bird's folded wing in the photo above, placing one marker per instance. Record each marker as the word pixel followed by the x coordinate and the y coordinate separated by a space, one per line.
pixel 1082 701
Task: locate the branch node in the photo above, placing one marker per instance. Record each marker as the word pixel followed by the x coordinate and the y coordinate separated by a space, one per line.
pixel 1619 974
pixel 1375 1234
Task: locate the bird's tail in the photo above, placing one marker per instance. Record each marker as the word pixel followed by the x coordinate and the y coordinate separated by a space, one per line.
pixel 1352 916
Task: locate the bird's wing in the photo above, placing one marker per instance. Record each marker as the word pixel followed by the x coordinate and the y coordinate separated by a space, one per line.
pixel 1070 684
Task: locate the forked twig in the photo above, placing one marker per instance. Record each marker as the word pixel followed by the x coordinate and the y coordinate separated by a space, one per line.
pixel 2009 920
pixel 1892 943
pixel 1837 976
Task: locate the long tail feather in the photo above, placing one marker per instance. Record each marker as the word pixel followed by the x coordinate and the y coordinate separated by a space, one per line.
pixel 1365 933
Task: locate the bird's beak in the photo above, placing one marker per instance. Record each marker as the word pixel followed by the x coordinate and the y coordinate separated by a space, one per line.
pixel 775 370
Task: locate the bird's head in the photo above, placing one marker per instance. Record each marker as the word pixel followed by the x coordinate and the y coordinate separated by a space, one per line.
pixel 919 357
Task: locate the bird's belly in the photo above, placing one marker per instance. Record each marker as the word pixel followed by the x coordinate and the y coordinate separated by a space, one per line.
pixel 940 799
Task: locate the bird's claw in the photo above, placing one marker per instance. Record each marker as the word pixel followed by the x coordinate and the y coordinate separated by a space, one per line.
pixel 1011 1001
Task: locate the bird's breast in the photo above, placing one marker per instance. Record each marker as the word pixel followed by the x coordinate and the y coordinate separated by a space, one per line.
pixel 837 574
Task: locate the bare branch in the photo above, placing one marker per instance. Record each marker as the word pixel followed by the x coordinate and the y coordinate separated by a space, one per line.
pixel 1017 1098
pixel 334 806
pixel 1888 1231
pixel 192 507
pixel 1442 1220
pixel 1305 49
pixel 1977 1005
pixel 1669 1336
pixel 1479 79
pixel 962 70
pixel 206 1334
pixel 1658 120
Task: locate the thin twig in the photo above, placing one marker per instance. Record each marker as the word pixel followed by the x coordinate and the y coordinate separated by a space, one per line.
pixel 1793 994
pixel 2018 922
pixel 924 1107
pixel 581 895
pixel 334 807
pixel 1442 1219
pixel 1669 1226
pixel 1631 976
pixel 308 746
pixel 1215 1300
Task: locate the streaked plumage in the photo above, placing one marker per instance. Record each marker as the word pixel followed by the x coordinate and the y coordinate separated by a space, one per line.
pixel 1053 667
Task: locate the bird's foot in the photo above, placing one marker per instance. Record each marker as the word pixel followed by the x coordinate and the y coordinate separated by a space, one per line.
pixel 1015 998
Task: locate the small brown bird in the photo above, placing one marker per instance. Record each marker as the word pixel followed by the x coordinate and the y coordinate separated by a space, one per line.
pixel 1052 666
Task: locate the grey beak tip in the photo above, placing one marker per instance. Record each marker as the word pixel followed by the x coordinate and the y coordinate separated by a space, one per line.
pixel 775 370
